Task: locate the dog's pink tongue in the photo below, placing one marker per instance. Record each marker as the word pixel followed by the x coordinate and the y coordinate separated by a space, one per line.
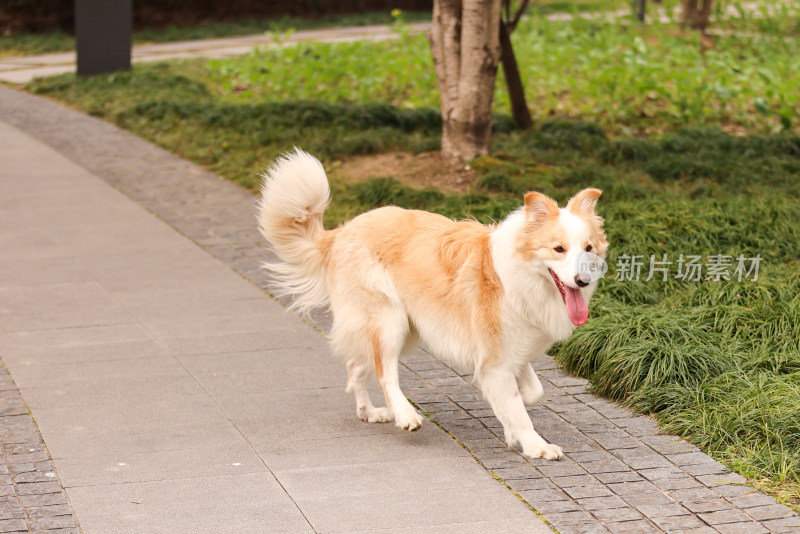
pixel 577 308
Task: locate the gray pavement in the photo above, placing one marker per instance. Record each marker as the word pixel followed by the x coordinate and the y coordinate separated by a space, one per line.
pixel 173 394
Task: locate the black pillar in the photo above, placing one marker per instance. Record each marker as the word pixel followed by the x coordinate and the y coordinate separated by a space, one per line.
pixel 103 35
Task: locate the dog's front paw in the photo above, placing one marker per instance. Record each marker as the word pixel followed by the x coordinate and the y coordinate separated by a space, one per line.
pixel 548 451
pixel 410 421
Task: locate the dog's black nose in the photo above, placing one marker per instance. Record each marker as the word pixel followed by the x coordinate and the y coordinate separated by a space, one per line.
pixel 581 278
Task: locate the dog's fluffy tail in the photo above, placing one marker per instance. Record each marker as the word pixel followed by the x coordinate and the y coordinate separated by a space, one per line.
pixel 294 195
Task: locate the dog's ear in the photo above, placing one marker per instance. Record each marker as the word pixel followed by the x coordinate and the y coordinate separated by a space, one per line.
pixel 584 202
pixel 539 207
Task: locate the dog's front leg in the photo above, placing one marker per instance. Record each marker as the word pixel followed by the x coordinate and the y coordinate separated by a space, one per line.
pixel 499 387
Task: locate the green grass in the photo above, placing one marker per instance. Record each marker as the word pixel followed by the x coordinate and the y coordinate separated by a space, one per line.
pixel 629 79
pixel 716 362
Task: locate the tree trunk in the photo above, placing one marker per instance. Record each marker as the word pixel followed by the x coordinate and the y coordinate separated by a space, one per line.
pixel 696 14
pixel 465 43
pixel 516 91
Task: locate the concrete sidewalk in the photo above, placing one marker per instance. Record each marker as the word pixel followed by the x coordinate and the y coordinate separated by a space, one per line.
pixel 138 345
pixel 175 396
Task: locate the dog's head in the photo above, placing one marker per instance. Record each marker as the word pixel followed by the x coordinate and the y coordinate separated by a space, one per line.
pixel 564 244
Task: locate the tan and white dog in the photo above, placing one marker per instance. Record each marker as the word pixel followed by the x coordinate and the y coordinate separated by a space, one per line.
pixel 487 299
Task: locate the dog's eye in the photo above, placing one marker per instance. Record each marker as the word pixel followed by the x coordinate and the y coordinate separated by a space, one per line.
pixel 588 248
pixel 559 249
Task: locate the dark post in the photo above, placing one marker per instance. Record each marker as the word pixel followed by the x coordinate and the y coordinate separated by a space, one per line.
pixel 639 7
pixel 103 35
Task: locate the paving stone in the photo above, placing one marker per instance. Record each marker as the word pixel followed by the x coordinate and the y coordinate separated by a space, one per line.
pixel 57 531
pixel 39 488
pixel 562 468
pixel 708 467
pixel 713 481
pixel 582 492
pixel 687 458
pixel 542 496
pixel 640 450
pixel 614 443
pixel 11 510
pixel 724 516
pixel 770 511
pixel 668 444
pixel 575 480
pixel 677 483
pixel 753 499
pixel 696 494
pixel 627 476
pixel 574 390
pixel 569 518
pixel 662 510
pixel 550 507
pixel 788 525
pixel 48 511
pixel 13 525
pixel 633 488
pixel 748 527
pixel 648 499
pixel 706 506
pixel 610 409
pixel 583 528
pixel 605 466
pixel 53 522
pixel 34 476
pixel 43 499
pixel 507 461
pixel 530 484
pixel 661 472
pixel 638 426
pixel 513 472
pixel 600 503
pixel 591 456
pixel 678 523
pixel 635 527
pixel 734 490
pixel 647 462
pixel 617 514
pixel 568 381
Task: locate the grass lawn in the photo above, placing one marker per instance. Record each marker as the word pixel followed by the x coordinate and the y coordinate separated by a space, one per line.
pixel 696 148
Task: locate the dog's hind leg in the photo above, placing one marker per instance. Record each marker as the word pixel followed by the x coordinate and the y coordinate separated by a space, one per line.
pixel 358 372
pixel 390 335
pixel 529 385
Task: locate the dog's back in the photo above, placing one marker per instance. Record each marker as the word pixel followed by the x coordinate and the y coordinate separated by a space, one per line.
pixel 437 271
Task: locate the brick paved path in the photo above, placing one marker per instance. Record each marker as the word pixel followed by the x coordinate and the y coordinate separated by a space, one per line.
pixel 619 473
